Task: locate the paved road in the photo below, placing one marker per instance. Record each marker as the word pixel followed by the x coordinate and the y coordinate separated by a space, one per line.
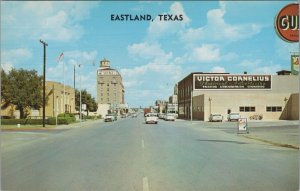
pixel 130 155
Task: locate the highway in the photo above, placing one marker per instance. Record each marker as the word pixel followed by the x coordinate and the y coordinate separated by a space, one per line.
pixel 129 155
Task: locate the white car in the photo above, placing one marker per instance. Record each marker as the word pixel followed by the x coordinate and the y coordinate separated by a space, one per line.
pixel 215 117
pixel 151 118
pixel 170 117
pixel 233 117
pixel 110 118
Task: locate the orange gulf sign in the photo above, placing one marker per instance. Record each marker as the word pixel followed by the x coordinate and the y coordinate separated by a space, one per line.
pixel 287 23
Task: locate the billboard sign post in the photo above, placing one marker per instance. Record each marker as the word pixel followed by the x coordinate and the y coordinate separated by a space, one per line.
pixel 242 126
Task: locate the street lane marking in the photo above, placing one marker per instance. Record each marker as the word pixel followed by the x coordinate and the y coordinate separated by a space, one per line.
pixel 145 184
pixel 143 143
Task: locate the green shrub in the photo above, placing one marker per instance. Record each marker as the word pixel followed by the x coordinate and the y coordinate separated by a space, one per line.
pixel 60 120
pixel 51 121
pixel 21 121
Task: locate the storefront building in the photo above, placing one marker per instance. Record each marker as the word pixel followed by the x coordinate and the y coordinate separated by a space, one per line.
pixel 264 97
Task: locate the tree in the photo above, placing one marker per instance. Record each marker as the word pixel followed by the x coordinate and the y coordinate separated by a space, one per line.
pixel 22 88
pixel 87 99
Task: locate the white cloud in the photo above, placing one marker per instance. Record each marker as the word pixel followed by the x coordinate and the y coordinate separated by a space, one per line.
pixel 137 71
pixel 206 53
pixel 148 51
pixel 12 57
pixel 7 66
pixel 218 30
pixel 160 27
pixel 56 21
pixel 81 57
pixel 218 69
pixel 250 64
pixel 271 69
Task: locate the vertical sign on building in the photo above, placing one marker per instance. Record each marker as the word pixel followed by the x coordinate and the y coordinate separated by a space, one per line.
pixel 295 64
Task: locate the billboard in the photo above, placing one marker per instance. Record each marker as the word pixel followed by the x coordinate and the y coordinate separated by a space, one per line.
pixel 295 64
pixel 231 82
pixel 287 23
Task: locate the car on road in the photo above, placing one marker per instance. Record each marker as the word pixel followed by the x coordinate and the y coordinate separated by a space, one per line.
pixel 170 117
pixel 151 118
pixel 215 117
pixel 123 115
pixel 161 115
pixel 110 118
pixel 134 115
pixel 233 117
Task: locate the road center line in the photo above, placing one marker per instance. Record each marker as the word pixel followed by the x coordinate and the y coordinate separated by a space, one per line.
pixel 143 143
pixel 145 184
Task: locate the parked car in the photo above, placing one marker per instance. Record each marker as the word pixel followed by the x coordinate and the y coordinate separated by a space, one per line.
pixel 134 115
pixel 123 115
pixel 215 117
pixel 161 116
pixel 110 117
pixel 233 117
pixel 151 118
pixel 170 117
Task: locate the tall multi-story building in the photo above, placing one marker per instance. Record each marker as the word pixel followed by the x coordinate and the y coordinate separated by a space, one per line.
pixel 110 89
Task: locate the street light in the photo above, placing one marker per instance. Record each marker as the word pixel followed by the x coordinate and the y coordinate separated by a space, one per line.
pixel 192 105
pixel 44 79
pixel 209 99
pixel 285 107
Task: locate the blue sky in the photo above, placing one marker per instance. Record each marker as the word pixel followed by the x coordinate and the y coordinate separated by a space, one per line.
pixel 152 56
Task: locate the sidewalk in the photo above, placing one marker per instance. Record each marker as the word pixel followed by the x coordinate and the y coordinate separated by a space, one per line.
pixel 83 123
pixel 281 133
pixel 284 136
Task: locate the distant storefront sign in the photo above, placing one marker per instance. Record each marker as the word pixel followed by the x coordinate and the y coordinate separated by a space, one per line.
pixel 295 64
pixel 231 82
pixel 287 23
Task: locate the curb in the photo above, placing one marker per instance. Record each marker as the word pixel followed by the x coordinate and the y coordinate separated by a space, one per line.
pixel 272 143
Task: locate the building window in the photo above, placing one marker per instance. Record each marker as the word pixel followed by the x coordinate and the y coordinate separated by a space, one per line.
pixel 247 109
pixel 273 108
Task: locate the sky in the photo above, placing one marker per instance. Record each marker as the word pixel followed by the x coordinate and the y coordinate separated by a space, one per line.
pixel 152 56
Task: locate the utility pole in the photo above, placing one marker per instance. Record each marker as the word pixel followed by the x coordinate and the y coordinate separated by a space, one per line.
pixel 80 103
pixel 44 81
pixel 74 76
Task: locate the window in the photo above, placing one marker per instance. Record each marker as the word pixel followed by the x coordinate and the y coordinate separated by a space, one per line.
pixel 247 109
pixel 273 108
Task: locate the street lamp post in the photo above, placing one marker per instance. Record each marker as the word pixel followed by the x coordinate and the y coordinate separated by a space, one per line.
pixel 286 109
pixel 44 79
pixel 209 99
pixel 192 105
